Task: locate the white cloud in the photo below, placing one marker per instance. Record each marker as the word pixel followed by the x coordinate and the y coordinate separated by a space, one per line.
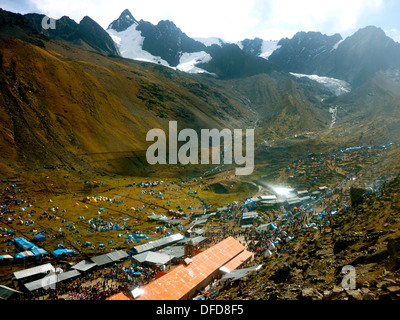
pixel 225 19
pixel 231 20
pixel 316 15
pixel 394 34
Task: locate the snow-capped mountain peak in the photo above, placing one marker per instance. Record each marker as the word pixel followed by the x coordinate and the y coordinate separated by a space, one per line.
pixel 124 21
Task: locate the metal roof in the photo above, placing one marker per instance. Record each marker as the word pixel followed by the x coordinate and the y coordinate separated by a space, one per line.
pixel 174 251
pixel 249 215
pixel 33 271
pixel 153 257
pixel 238 260
pixel 119 296
pixel 158 243
pixel 84 265
pixel 102 259
pixel 6 292
pixel 268 197
pixel 178 283
pixel 196 240
pixel 117 255
pixel 51 280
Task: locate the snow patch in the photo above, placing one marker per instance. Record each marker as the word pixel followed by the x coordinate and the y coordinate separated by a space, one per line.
pixel 267 48
pixel 188 61
pixel 336 86
pixel 210 41
pixel 130 43
pixel 337 45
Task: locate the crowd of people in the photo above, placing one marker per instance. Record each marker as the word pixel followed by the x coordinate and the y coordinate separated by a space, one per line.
pixel 96 285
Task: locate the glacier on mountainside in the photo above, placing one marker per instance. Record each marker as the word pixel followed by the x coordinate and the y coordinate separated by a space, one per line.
pixel 268 47
pixel 188 61
pixel 130 43
pixel 336 86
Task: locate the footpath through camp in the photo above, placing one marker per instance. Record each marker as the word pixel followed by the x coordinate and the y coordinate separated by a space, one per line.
pixel 113 237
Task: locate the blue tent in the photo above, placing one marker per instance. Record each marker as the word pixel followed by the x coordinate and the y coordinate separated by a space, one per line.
pixel 59 252
pixel 39 237
pixel 22 243
pixel 22 256
pixel 273 226
pixel 38 252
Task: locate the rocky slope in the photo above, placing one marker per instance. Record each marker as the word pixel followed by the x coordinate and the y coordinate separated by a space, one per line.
pixel 310 267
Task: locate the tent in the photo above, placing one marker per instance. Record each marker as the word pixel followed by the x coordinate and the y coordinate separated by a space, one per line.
pixel 267 253
pixel 60 252
pixel 24 244
pixel 6 257
pixel 266 227
pixel 24 254
pixel 39 237
pixel 38 252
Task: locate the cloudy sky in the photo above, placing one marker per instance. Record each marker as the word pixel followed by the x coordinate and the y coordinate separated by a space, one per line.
pixel 232 20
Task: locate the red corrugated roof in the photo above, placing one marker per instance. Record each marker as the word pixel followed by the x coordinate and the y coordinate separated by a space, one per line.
pixel 181 280
pixel 119 296
pixel 238 260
